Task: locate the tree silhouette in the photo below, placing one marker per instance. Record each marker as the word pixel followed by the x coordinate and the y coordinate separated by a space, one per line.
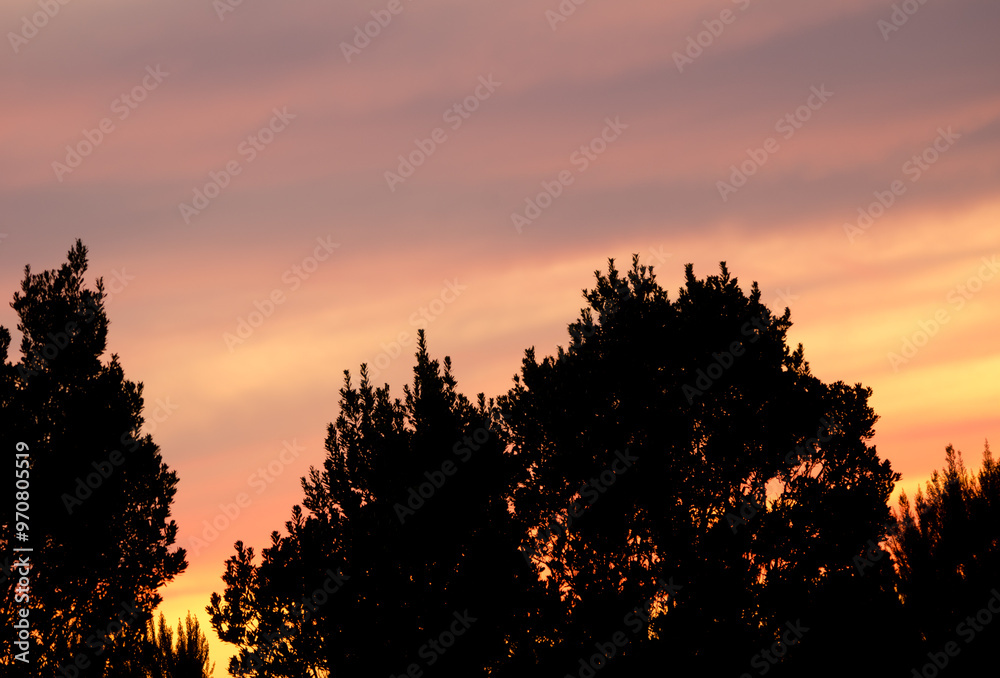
pixel 158 653
pixel 675 481
pixel 100 493
pixel 948 555
pixel 185 658
pixel 676 492
pixel 684 442
pixel 408 554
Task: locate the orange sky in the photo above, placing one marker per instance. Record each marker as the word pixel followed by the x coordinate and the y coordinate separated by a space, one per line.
pixel 443 238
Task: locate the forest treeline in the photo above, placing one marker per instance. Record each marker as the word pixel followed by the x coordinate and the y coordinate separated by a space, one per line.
pixel 673 493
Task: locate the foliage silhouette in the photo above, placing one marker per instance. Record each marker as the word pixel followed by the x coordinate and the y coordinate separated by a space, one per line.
pixel 100 493
pixel 408 520
pixel 675 490
pixel 612 485
pixel 720 416
pixel 947 552
pixel 185 658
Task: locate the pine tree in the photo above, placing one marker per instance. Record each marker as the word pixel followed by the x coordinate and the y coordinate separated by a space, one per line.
pixel 185 656
pixel 947 552
pixel 100 493
pixel 681 459
pixel 408 536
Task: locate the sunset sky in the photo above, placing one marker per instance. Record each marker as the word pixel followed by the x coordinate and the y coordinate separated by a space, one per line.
pixel 285 119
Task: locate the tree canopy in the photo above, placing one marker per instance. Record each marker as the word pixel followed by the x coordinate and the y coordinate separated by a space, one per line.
pixel 748 482
pixel 99 491
pixel 947 549
pixel 673 480
pixel 402 551
pixel 673 491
